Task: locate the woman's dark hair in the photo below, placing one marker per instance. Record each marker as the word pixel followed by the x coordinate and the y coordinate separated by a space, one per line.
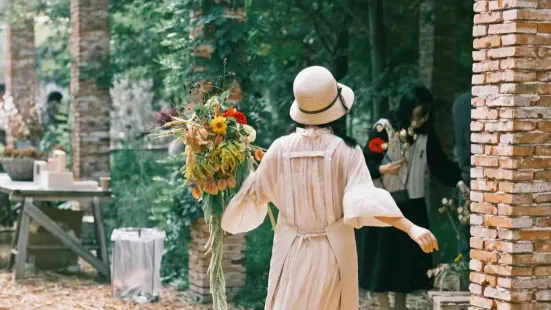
pixel 338 128
pixel 55 96
pixel 416 96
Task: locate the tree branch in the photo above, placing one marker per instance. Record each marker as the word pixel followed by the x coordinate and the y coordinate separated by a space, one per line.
pixel 326 44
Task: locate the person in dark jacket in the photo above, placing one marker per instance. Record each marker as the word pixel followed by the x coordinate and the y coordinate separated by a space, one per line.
pixel 461 112
pixel 400 149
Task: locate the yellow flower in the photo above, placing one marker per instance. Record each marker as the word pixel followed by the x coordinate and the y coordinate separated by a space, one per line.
pixel 458 258
pixel 219 125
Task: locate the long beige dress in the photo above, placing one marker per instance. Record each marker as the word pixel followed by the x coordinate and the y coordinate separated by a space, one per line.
pixel 323 191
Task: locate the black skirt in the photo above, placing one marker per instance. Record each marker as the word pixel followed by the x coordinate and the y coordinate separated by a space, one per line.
pixel 388 260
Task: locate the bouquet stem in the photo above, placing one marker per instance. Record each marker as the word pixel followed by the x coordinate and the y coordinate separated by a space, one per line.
pixel 272 218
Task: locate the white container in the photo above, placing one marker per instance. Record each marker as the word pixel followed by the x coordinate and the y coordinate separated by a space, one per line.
pixel 136 267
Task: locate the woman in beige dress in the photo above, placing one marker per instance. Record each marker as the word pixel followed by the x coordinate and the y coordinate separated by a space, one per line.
pixel 319 181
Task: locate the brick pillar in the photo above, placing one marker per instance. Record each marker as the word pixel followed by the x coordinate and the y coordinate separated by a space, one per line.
pixel 511 227
pixel 233 262
pixel 91 101
pixel 20 74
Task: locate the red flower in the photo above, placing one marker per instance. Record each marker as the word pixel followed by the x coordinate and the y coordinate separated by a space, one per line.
pixel 376 145
pixel 238 116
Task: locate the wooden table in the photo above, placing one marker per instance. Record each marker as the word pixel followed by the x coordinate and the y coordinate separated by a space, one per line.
pixel 29 192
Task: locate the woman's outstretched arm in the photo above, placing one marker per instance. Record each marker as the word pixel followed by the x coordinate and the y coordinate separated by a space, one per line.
pixel 424 238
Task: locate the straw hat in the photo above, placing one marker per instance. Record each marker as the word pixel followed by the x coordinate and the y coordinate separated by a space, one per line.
pixel 319 99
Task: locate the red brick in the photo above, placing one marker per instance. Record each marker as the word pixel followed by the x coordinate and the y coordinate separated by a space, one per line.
pixel 542 271
pixel 516 283
pixel 483 279
pixel 514 51
pixel 528 112
pixel 478 79
pixel 543 246
pixel 478 102
pixel 483 207
pixel 476 289
pixel 477 126
pixel 525 138
pixel 484 91
pixel 543 64
pixel 483 303
pixel 480 31
pixel 511 4
pixel 543 222
pixel 479 55
pixel 524 163
pixel 507 222
pixel 525 39
pixel 523 210
pixel 484 113
pixel 477 149
pixel 544 76
pixel 484 161
pixel 510 76
pixel 509 150
pixel 513 175
pixel 476 265
pixel 476 219
pixel 514 27
pixel 509 126
pixel 544 295
pixel 539 198
pixel 486 138
pixel 542 175
pixel 544 126
pixel 487 18
pixel 483 185
pixel 487 42
pixel 526 15
pixel 532 187
pixel 533 234
pixel 477 173
pixel 544 4
pixel 507 198
pixel 512 88
pixel 490 65
pixel 508 271
pixel 517 63
pixel 476 243
pixel 525 259
pixel 480 6
pixel 481 232
pixel 543 101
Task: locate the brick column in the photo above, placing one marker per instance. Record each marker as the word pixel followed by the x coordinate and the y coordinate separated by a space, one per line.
pixel 233 262
pixel 91 101
pixel 20 74
pixel 511 227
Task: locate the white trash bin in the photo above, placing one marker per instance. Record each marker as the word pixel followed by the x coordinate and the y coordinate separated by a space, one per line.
pixel 136 267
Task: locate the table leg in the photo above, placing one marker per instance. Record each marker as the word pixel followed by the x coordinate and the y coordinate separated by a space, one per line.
pixel 22 243
pixel 11 261
pixel 100 233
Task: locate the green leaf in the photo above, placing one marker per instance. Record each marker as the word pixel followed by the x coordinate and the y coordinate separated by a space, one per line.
pixel 225 95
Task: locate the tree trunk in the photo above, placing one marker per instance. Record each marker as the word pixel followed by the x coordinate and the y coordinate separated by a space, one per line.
pixel 378 46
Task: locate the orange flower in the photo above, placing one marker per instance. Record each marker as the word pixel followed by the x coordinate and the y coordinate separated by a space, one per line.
pixel 258 154
pixel 222 185
pixel 231 182
pixel 196 193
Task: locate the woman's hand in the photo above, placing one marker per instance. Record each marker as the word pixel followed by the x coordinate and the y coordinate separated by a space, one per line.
pixel 424 238
pixel 391 168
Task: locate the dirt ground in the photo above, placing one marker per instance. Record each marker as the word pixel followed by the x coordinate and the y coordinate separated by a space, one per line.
pixel 51 291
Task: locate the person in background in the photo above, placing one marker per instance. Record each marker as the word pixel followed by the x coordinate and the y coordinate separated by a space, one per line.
pixel 461 112
pixel 51 109
pixel 2 129
pixel 400 149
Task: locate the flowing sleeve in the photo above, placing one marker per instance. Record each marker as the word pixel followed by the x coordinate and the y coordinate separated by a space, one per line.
pixel 363 202
pixel 248 208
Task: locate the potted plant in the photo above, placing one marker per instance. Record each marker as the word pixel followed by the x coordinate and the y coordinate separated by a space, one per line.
pixel 19 163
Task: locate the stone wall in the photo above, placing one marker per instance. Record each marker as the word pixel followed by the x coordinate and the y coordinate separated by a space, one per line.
pixel 91 101
pixel 232 263
pixel 21 68
pixel 511 187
